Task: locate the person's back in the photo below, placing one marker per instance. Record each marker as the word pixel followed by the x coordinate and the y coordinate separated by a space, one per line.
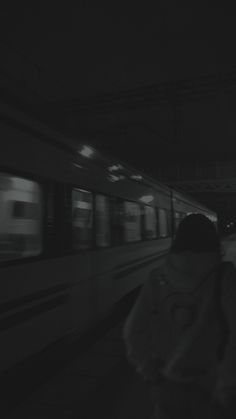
pixel 174 331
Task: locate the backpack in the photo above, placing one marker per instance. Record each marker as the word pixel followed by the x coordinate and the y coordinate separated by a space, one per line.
pixel 189 329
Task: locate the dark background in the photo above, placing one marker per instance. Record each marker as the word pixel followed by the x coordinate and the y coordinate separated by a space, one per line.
pixel 153 85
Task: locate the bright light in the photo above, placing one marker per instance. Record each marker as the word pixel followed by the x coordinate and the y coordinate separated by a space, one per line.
pixel 83 190
pixel 115 167
pixel 136 177
pixel 113 178
pixel 146 199
pixel 78 166
pixel 86 151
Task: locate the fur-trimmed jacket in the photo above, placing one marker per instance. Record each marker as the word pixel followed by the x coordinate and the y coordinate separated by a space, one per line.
pixel 184 271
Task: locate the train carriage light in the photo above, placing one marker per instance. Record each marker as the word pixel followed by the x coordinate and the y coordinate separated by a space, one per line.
pixel 113 178
pixel 86 151
pixel 146 199
pixel 136 177
pixel 78 166
pixel 115 167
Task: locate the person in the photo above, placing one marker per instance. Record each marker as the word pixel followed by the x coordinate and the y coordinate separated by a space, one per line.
pixel 193 374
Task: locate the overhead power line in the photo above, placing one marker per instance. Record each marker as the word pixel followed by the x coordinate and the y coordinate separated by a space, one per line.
pixel 173 92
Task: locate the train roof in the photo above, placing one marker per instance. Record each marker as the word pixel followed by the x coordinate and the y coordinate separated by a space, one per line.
pixel 115 167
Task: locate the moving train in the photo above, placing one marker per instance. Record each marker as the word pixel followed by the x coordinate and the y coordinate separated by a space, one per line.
pixel 78 231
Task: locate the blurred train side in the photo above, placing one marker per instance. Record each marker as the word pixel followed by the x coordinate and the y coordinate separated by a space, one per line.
pixel 77 233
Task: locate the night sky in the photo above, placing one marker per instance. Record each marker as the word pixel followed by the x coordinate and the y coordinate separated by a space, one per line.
pixel 88 49
pixel 68 53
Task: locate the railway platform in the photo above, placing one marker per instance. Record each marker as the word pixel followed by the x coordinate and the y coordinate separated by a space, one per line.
pixel 98 383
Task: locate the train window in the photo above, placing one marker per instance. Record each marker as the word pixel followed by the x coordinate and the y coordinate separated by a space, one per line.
pixel 150 229
pixel 132 222
pixel 102 217
pixel 169 225
pixel 162 223
pixel 117 228
pixel 182 215
pixel 177 218
pixel 20 217
pixel 25 210
pixel 82 219
pixel 157 222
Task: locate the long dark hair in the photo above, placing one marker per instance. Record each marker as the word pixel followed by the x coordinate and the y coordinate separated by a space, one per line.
pixel 198 234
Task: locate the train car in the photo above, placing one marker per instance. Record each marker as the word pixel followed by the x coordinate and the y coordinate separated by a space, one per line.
pixel 78 231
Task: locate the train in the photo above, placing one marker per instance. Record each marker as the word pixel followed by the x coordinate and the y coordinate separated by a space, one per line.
pixel 79 230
